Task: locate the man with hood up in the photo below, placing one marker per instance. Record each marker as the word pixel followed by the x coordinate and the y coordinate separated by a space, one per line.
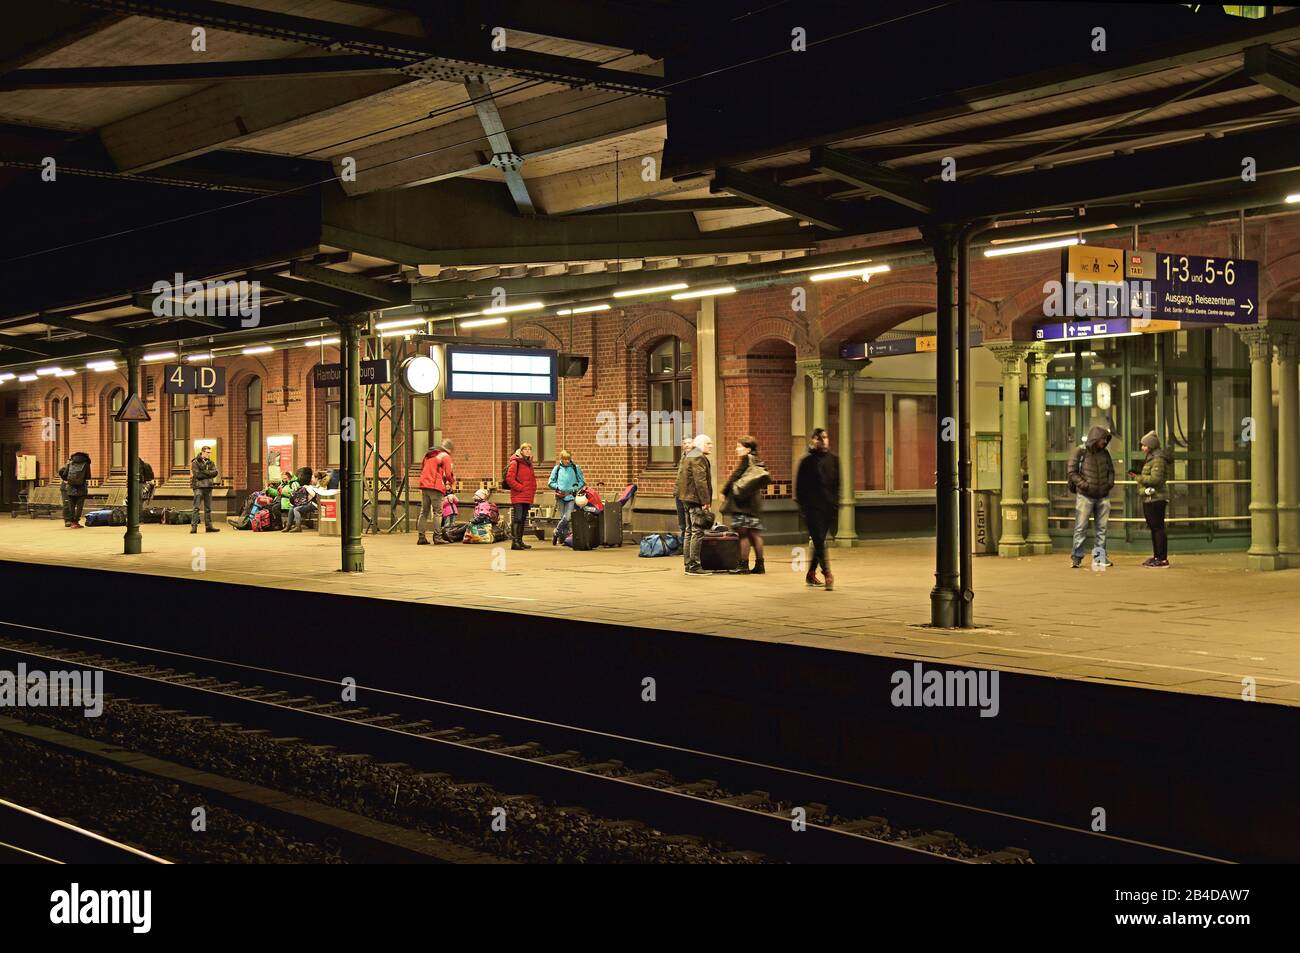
pixel 1091 474
pixel 437 479
pixel 1155 499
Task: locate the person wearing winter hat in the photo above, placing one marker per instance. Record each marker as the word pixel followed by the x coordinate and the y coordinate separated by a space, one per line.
pixel 1152 481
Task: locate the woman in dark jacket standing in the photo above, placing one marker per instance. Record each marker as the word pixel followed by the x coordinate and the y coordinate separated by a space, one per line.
pixel 522 482
pixel 1151 482
pixel 743 508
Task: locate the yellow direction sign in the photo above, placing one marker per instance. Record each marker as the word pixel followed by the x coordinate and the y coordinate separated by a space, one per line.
pixel 1093 263
pixel 132 410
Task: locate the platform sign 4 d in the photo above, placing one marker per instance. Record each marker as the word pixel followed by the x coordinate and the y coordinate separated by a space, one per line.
pixel 1209 290
pixel 194 379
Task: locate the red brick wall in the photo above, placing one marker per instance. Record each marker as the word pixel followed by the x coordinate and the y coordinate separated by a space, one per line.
pixel 759 337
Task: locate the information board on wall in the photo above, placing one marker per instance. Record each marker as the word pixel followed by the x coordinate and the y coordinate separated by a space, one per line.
pixel 500 373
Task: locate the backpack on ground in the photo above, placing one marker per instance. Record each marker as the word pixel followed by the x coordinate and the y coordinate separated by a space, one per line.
pixel 98 518
pixel 456 532
pixel 261 522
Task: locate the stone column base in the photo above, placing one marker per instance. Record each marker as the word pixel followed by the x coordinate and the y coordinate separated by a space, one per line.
pixel 1013 549
pixel 1266 563
pixel 845 542
pixel 1040 549
pixel 1290 560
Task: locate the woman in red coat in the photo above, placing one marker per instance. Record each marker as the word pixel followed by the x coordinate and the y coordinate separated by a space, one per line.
pixel 522 482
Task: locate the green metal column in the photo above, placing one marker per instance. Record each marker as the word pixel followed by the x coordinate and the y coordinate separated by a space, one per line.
pixel 354 553
pixel 1012 541
pixel 846 533
pixel 131 538
pixel 945 597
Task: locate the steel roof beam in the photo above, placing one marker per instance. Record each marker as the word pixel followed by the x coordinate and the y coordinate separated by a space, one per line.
pixel 504 157
pixel 899 187
pixel 343 301
pixel 790 201
pixel 381 291
pixel 1270 68
pixel 91 77
pixel 432 57
pixel 94 329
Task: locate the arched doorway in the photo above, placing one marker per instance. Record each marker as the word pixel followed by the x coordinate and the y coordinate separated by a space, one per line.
pixel 117 433
pixel 255 475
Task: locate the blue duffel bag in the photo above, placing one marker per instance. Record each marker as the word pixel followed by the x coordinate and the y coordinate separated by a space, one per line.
pixel 661 544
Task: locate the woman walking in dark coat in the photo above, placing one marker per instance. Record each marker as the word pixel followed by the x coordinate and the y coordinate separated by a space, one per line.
pixel 743 507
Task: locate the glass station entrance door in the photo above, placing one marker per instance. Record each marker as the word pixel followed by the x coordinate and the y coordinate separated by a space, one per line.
pixel 1192 387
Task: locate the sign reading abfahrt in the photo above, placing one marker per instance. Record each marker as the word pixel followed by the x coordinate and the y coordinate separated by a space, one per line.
pixel 331 375
pixel 194 379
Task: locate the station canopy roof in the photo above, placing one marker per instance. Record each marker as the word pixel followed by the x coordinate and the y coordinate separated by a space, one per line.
pixel 607 145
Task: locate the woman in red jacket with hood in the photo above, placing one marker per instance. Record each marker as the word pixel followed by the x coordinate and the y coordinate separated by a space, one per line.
pixel 522 482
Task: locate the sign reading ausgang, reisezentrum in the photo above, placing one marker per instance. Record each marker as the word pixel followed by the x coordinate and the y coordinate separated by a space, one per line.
pixel 1195 288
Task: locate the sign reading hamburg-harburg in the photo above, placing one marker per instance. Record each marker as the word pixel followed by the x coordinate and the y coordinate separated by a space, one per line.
pixel 1153 286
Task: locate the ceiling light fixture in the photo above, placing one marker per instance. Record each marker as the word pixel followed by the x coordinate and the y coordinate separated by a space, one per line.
pixel 159 356
pixel 705 292
pixel 1032 246
pixel 651 290
pixel 863 273
pixel 483 322
pixel 258 349
pixel 585 309
pixel 401 323
pixel 512 308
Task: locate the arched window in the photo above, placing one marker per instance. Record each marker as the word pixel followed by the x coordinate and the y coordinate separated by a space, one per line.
pixel 668 387
pixel 253 430
pixel 117 436
pixel 333 426
pixel 426 426
pixel 535 426
pixel 180 433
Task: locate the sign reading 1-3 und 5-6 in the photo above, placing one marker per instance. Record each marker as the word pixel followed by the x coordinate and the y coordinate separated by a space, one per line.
pixel 1196 288
pixel 194 379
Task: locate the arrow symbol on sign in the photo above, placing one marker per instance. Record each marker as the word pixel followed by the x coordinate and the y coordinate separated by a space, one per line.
pixel 1114 266
pixel 1249 306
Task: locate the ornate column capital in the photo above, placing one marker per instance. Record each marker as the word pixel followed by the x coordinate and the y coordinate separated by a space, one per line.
pixel 1041 355
pixel 1011 354
pixel 1258 340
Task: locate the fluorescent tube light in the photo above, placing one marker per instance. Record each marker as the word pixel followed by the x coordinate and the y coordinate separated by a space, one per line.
pixel 705 292
pixel 482 322
pixel 651 290
pixel 1032 246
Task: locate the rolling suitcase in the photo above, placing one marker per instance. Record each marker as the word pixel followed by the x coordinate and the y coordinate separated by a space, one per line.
pixel 586 529
pixel 611 525
pixel 720 550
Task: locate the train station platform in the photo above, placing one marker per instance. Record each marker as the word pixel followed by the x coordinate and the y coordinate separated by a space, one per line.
pixel 1201 627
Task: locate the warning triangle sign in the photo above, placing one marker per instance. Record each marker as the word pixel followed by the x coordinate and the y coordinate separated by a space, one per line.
pixel 132 411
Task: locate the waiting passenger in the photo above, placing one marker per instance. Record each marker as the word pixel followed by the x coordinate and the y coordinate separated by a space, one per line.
pixel 1155 500
pixel 437 478
pixel 744 502
pixel 304 501
pixel 75 477
pixel 566 480
pixel 203 476
pixel 687 446
pixel 522 483
pixel 1091 474
pixel 146 478
pixel 695 490
pixel 817 491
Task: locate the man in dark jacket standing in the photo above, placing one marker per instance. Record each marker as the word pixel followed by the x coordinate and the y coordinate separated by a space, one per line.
pixel 203 476
pixel 75 475
pixel 1091 474
pixel 695 490
pixel 817 491
pixel 437 479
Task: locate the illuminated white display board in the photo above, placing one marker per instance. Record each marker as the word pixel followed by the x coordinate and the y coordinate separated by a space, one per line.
pixel 497 373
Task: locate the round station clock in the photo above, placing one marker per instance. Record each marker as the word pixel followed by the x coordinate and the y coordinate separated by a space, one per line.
pixel 420 374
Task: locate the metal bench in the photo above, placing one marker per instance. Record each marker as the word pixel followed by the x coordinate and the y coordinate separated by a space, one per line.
pixel 44 501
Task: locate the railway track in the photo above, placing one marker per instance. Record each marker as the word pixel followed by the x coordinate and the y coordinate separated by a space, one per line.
pixel 30 837
pixel 764 810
